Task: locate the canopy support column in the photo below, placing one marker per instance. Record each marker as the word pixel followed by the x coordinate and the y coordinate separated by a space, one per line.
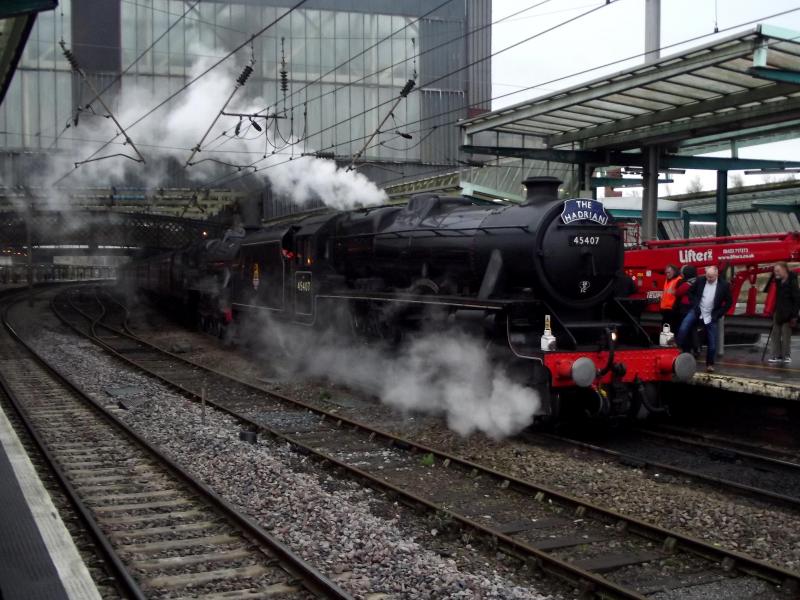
pixel 650 195
pixel 722 203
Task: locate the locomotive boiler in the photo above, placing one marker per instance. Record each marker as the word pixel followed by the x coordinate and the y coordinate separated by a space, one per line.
pixel 541 280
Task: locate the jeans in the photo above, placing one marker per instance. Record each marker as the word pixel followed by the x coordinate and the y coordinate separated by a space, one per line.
pixel 684 337
pixel 781 339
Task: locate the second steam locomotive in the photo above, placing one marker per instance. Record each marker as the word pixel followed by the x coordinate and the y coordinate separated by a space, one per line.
pixel 541 280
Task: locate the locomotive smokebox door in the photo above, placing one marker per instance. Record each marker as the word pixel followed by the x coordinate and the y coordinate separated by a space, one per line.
pixel 303 296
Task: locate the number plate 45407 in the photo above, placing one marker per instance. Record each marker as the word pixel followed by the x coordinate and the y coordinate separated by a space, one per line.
pixel 584 240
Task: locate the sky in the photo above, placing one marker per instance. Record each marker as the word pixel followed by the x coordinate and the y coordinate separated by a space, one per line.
pixel 612 33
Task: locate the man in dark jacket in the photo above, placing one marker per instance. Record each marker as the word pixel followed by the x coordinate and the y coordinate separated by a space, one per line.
pixel 711 300
pixel 787 306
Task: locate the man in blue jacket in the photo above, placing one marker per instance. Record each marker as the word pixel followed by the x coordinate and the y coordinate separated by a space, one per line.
pixel 711 299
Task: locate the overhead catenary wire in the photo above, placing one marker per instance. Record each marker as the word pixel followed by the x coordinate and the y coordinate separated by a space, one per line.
pixel 564 77
pixel 526 88
pixel 450 73
pixel 411 58
pixel 402 96
pixel 363 52
pixel 240 82
pixel 532 87
pixel 590 70
pixel 431 82
pixel 152 6
pixel 349 60
pixel 253 36
pixel 396 100
pixel 135 61
pixel 192 81
pixel 77 69
pixel 414 57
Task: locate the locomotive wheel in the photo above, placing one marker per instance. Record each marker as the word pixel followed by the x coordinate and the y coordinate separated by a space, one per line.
pixel 372 324
pixel 424 286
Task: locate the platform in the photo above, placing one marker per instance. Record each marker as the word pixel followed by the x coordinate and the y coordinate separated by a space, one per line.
pixel 742 370
pixel 38 559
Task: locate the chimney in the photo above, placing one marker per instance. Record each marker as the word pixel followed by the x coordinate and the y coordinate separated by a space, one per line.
pixel 541 189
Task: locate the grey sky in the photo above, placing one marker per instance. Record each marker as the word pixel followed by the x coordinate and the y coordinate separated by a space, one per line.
pixel 612 33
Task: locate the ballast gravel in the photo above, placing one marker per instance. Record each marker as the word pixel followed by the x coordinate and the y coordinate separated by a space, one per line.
pixel 330 524
pixel 763 531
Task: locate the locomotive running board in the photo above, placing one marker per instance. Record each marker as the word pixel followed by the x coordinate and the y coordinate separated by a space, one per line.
pixel 454 301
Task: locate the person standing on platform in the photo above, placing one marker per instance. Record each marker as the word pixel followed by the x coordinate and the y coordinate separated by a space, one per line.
pixel 684 303
pixel 787 307
pixel 669 310
pixel 712 299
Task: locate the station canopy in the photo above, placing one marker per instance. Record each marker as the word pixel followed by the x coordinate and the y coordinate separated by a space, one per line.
pixel 743 89
pixel 16 21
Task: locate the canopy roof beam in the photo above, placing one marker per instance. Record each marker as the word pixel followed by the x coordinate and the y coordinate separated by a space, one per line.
pixel 656 72
pixel 743 86
pixel 630 159
pixel 763 114
pixel 672 115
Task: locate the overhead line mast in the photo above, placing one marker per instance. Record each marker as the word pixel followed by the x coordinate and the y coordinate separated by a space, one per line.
pixel 76 67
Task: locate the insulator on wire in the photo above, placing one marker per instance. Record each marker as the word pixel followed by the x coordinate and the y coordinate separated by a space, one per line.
pixel 284 80
pixel 407 88
pixel 284 70
pixel 73 62
pixel 246 72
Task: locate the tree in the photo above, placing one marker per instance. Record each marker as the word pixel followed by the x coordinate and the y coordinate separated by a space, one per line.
pixel 695 185
pixel 737 181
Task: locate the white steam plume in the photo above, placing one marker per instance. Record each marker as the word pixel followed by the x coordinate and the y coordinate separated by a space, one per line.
pixel 446 373
pixel 179 125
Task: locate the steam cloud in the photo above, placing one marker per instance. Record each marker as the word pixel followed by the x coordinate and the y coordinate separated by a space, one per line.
pixel 449 374
pixel 179 125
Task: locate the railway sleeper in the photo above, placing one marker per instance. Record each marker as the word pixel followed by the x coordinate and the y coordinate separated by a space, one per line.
pixel 181 562
pixel 277 590
pixel 197 578
pixel 163 545
pixel 156 517
pixel 132 534
pixel 117 508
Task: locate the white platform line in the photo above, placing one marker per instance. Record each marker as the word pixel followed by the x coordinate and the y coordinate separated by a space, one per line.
pixel 65 556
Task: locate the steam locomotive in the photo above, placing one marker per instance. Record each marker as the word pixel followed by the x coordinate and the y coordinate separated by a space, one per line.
pixel 542 281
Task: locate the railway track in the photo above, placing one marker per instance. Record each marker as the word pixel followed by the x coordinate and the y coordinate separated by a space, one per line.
pixel 763 476
pixel 163 533
pixel 735 445
pixel 606 554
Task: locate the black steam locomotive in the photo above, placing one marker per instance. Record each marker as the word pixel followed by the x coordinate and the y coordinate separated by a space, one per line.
pixel 542 280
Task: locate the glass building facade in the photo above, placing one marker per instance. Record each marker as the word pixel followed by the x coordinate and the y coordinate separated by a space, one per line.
pixel 345 61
